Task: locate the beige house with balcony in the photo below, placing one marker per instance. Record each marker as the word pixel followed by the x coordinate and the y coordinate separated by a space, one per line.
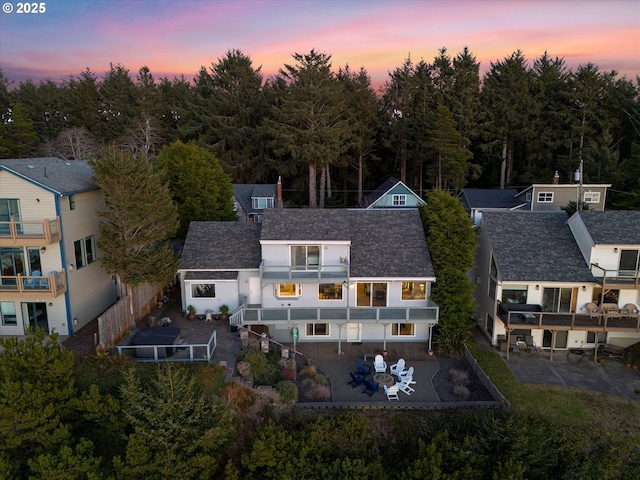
pixel 48 230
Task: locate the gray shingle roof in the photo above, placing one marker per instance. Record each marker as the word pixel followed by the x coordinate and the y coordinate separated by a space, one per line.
pixel 383 243
pixel 222 246
pixel 490 197
pixel 535 246
pixel 58 176
pixel 619 227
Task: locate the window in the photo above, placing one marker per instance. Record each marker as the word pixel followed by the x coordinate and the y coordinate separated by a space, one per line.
pixel 9 211
pixel 85 250
pixel 317 329
pixel 545 197
pixel 330 291
pixel 414 290
pixel 288 290
pixel 527 197
pixel 399 200
pixel 402 329
pixel 255 217
pixel 493 285
pixel 514 294
pixel 493 269
pixel 262 202
pixel 591 197
pixel 200 290
pixel 72 202
pixel 8 313
pixel 305 257
pixel 557 299
pixel 591 337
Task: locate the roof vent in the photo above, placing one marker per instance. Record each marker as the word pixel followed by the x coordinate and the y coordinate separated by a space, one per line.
pixel 68 164
pixel 31 167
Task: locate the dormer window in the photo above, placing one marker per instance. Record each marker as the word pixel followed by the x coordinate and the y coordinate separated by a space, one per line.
pixel 260 203
pixel 545 197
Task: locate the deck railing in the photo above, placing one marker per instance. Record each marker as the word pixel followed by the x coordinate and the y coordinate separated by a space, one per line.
pixel 18 232
pixel 250 314
pixel 619 278
pixel 51 285
pixel 302 273
pixel 185 352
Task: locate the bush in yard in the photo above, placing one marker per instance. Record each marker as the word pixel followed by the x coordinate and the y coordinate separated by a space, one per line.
pixel 243 369
pixel 459 377
pixel 288 392
pixel 317 393
pixel 264 370
pixel 461 391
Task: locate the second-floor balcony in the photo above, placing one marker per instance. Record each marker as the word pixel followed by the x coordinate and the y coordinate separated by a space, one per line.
pixel 34 233
pixel 251 314
pixel 302 274
pixel 50 285
pixel 625 279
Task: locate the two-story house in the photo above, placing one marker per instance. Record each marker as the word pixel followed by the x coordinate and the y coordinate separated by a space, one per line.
pixel 554 196
pixel 536 274
pixel 48 231
pixel 250 200
pixel 316 275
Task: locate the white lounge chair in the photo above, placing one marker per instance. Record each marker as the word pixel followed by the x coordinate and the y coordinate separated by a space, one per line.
pixel 407 375
pixel 397 368
pixel 379 364
pixel 405 388
pixel 392 392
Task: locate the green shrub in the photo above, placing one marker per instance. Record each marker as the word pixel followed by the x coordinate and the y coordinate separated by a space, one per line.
pixel 459 377
pixel 288 392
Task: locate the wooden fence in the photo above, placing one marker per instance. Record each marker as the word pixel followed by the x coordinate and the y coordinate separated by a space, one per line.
pixel 114 322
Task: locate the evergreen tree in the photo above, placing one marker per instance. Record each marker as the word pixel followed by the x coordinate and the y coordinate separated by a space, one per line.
pixel 310 126
pixel 139 216
pixel 199 186
pixel 178 431
pixel 20 135
pixel 452 244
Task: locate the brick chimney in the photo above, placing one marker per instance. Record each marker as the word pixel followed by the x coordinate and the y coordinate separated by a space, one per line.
pixel 279 193
pixel 556 178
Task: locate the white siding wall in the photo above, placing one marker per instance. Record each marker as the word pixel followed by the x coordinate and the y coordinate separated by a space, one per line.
pixel 226 294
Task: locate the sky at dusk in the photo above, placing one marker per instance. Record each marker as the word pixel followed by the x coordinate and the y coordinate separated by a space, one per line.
pixel 177 37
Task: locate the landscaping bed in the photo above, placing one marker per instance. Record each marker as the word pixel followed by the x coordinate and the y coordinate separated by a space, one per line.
pixel 452 373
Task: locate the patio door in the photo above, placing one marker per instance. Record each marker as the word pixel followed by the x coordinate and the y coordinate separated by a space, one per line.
pixel 629 263
pixel 13 264
pixel 354 332
pixel 369 294
pixel 34 314
pixel 558 300
pixel 561 339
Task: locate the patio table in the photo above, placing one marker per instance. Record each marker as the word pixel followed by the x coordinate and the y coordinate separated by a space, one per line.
pixel 384 379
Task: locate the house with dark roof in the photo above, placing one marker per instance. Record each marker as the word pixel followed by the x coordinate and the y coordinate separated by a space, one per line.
pixel 48 229
pixel 394 194
pixel 250 200
pixel 316 274
pixel 535 277
pixel 478 200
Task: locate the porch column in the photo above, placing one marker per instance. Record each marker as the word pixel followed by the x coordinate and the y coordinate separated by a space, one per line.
pixel 384 345
pixel 553 342
pixel 339 339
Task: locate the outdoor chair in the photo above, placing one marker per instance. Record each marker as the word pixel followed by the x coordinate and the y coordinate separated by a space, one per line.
pixel 406 376
pixel 356 379
pixel 531 346
pixel 593 310
pixel 405 388
pixel 379 364
pixel 370 388
pixel 397 368
pixel 363 368
pixel 630 311
pixel 513 344
pixel 392 392
pixel 32 282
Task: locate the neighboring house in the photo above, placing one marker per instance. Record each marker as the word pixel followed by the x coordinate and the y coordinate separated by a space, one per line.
pixel 250 201
pixel 533 278
pixel 478 200
pixel 392 194
pixel 554 196
pixel 315 274
pixel 48 232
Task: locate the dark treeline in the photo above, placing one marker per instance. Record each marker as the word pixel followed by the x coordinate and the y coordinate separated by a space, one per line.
pixel 333 138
